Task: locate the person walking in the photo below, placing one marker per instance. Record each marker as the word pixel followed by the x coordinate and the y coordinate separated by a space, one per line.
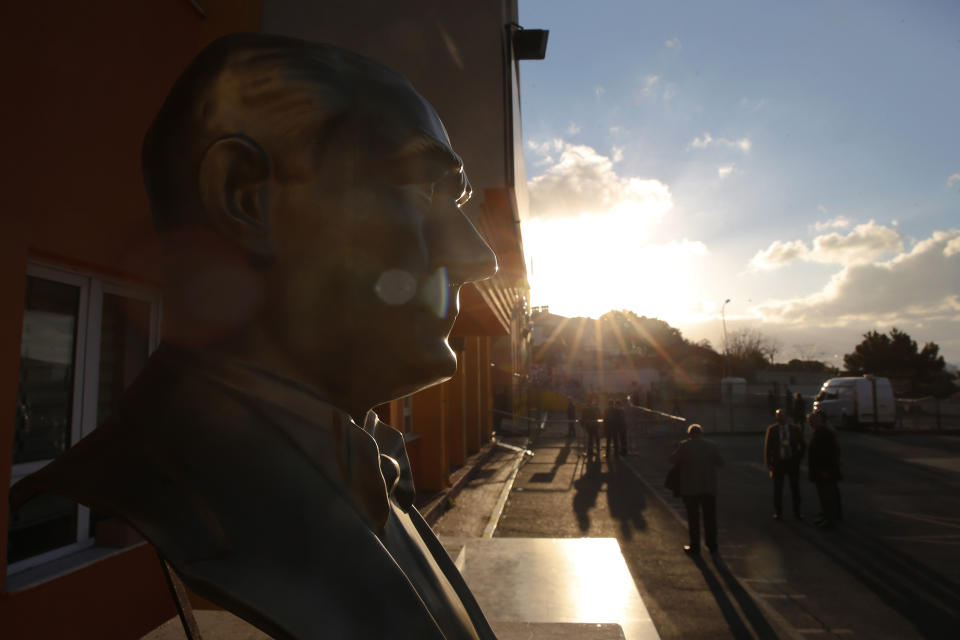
pixel 590 418
pixel 783 450
pixel 698 460
pixel 571 419
pixel 823 463
pixel 799 411
pixel 615 429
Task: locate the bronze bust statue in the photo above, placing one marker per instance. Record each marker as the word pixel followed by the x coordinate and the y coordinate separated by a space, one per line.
pixel 308 200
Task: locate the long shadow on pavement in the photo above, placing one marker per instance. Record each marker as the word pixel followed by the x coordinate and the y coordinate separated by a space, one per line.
pixel 737 626
pixel 746 602
pixel 626 504
pixel 925 598
pixel 587 488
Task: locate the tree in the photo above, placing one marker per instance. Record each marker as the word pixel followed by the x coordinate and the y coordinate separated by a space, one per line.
pixel 896 356
pixel 748 350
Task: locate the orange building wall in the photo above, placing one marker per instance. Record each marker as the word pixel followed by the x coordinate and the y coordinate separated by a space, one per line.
pixel 454 390
pixel 486 397
pixel 471 409
pixel 82 83
pixel 428 455
pixel 120 598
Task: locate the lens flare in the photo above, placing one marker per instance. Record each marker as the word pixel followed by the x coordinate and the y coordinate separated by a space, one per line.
pixel 436 292
pixel 395 287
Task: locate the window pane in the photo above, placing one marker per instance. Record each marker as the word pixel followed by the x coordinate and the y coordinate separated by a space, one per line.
pixel 45 523
pixel 124 347
pixel 47 349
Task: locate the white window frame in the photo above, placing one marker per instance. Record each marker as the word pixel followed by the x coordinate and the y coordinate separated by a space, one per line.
pixel 86 376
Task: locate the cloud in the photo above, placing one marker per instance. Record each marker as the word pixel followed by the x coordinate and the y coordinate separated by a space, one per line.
pixel 952 248
pixel 954 179
pixel 669 92
pixel 599 90
pixel 616 153
pixel 914 286
pixel 865 243
pixel 573 129
pixel 648 85
pixel 704 141
pixel 674 43
pixel 778 254
pixel 840 222
pixel 579 180
pixel 725 170
pixel 753 105
pixel 545 150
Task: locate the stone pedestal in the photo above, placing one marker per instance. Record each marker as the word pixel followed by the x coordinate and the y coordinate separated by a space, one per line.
pixel 529 589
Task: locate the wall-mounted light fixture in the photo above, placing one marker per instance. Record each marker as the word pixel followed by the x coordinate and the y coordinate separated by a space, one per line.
pixel 530 44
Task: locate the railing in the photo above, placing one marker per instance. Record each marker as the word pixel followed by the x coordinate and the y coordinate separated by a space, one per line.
pixel 643 423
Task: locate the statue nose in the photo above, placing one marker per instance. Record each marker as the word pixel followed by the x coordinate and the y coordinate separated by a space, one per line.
pixel 460 248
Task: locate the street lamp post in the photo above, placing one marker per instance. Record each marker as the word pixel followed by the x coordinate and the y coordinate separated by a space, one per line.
pixel 723 318
pixel 726 364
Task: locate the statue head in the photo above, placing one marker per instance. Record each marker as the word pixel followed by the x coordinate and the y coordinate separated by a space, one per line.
pixel 309 200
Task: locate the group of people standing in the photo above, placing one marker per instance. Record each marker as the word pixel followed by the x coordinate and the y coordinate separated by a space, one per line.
pixel 784 447
pixel 614 422
pixel 793 403
pixel 696 461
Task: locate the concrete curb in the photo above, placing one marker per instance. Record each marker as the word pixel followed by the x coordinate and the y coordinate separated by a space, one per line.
pixel 497 513
pixel 437 505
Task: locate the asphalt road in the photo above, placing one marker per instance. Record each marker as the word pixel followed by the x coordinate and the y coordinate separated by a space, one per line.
pixel 892 570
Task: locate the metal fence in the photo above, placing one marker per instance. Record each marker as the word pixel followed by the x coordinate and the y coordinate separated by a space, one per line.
pixel 927 414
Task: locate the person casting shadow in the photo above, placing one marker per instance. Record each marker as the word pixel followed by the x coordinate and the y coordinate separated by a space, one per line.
pixel 783 450
pixel 698 459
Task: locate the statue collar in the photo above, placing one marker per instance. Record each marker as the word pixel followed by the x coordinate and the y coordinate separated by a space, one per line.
pixel 371 461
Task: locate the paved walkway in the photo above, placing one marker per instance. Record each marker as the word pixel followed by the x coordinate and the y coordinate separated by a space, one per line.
pixel 559 493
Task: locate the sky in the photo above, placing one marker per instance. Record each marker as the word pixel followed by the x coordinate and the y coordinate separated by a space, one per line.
pixel 799 159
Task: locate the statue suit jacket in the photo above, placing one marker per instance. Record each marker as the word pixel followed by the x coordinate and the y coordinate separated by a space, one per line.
pixel 269 502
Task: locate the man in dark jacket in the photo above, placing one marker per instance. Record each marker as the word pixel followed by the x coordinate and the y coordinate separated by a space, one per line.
pixel 590 418
pixel 615 428
pixel 824 469
pixel 783 450
pixel 699 460
pixel 799 410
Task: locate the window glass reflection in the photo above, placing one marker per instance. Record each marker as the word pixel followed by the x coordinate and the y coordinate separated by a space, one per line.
pixel 47 352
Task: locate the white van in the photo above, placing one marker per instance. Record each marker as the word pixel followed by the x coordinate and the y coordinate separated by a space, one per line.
pixel 852 402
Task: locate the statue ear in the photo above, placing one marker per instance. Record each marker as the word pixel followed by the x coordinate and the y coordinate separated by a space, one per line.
pixel 234 188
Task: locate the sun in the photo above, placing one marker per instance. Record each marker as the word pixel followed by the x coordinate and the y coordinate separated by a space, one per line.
pixel 589 264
